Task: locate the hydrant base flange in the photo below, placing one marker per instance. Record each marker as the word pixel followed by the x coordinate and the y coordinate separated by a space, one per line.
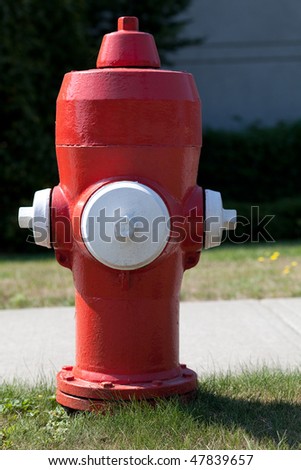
pixel 81 394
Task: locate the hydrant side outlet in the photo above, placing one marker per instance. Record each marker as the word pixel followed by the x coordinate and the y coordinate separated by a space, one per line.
pixel 127 218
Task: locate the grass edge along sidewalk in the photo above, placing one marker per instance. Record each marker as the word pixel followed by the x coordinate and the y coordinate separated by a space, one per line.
pixel 252 410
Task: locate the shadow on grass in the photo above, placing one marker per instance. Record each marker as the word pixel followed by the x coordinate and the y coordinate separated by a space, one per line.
pixel 278 421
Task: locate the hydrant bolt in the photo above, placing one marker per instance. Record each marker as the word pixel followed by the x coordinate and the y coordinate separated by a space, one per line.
pixel 107 385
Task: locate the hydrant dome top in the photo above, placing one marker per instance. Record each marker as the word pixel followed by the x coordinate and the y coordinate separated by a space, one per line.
pixel 128 47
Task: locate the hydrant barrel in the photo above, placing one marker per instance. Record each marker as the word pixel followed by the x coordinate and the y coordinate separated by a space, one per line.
pixel 128 219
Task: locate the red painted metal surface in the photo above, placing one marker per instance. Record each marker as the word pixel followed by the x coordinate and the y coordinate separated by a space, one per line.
pixel 124 121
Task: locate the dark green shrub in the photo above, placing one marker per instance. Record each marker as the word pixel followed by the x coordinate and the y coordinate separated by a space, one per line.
pixel 259 164
pixel 257 167
pixel 269 221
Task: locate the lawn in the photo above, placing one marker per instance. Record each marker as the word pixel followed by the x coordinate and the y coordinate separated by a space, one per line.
pixel 258 410
pixel 245 271
pixel 227 272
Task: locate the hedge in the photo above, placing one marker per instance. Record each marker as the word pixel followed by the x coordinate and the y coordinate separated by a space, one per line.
pixel 269 221
pixel 257 167
pixel 258 164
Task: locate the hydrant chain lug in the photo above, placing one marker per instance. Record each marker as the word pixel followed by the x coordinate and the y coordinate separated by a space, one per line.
pixel 127 218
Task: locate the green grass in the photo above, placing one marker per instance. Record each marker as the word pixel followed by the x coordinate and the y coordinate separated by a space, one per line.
pixel 34 282
pixel 259 410
pixel 226 272
pixel 234 272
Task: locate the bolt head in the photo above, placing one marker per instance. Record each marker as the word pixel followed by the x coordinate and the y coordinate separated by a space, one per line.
pixel 107 385
pixel 187 375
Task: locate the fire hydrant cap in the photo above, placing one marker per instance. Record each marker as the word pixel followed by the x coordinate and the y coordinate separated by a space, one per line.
pixel 128 47
pixel 217 219
pixel 125 225
pixel 37 217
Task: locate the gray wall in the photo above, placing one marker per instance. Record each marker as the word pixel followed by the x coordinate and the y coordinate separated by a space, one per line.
pixel 249 67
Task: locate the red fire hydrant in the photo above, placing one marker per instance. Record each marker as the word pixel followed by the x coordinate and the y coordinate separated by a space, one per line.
pixel 127 218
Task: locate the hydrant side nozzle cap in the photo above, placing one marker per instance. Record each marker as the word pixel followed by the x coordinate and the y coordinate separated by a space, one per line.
pixel 217 219
pixel 37 217
pixel 128 47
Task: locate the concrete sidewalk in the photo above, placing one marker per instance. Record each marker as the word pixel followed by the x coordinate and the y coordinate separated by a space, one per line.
pixel 214 337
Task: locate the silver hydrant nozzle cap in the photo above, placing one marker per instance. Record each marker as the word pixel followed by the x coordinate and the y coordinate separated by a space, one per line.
pixel 217 219
pixel 25 217
pixel 37 217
